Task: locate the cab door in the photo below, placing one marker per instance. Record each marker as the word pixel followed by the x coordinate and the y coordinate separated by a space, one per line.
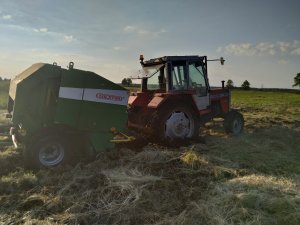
pixel 199 84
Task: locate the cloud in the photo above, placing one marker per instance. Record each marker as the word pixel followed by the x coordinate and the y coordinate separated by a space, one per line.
pixel 296 51
pixel 144 32
pixel 129 28
pixel 69 38
pixel 7 17
pixel 42 30
pixel 283 46
pixel 262 48
pixel 283 62
pixel 66 38
pixel 163 30
pixel 118 48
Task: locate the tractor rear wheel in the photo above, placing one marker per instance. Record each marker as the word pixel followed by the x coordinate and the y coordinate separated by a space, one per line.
pixel 234 122
pixel 175 124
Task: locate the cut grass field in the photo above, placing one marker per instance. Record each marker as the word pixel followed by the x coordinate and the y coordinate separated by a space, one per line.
pixel 252 178
pixel 281 108
pixel 4 85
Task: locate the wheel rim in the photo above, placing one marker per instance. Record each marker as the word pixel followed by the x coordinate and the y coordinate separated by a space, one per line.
pixel 51 154
pixel 237 126
pixel 179 125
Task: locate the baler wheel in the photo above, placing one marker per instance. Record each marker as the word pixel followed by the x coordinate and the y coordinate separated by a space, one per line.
pixel 49 151
pixel 234 122
pixel 176 124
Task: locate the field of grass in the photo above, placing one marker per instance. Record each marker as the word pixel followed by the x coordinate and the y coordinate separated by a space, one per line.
pixel 4 85
pixel 252 178
pixel 275 104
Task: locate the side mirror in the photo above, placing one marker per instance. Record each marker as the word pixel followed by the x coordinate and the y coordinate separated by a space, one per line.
pixel 222 60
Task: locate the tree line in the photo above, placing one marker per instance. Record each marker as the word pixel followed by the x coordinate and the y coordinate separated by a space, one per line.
pixel 126 82
pixel 245 85
pixel 229 84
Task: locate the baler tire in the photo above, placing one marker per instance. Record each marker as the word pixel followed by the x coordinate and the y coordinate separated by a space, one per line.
pixel 39 155
pixel 234 122
pixel 164 114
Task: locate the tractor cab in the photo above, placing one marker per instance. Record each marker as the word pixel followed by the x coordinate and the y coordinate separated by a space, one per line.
pixel 174 74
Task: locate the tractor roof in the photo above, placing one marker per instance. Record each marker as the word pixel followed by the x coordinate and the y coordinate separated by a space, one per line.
pixel 165 59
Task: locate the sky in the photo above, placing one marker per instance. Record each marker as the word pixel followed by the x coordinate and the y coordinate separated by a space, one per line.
pixel 260 40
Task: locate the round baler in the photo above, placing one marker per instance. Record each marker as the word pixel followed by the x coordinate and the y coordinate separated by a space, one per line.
pixel 61 115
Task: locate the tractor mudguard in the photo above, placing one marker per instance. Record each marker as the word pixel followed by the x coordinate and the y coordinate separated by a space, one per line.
pixel 156 101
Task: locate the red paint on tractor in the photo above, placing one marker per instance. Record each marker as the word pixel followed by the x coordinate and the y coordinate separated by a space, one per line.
pixel 131 99
pixel 205 111
pixel 156 101
pixel 222 96
pixel 140 99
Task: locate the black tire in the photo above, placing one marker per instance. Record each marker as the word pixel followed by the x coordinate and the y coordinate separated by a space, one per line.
pixel 234 122
pixel 48 151
pixel 175 124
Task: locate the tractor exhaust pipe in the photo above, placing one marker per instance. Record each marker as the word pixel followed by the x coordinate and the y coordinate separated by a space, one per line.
pixel 223 84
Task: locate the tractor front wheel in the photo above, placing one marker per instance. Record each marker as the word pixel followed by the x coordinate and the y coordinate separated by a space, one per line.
pixel 234 122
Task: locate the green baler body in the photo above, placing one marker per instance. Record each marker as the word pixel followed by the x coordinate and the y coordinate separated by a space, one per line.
pixel 46 95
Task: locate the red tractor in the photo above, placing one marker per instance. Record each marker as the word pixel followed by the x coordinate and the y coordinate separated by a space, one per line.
pixel 175 99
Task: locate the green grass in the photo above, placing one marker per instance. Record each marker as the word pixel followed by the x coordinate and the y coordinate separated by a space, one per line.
pixel 133 89
pixel 4 86
pixel 280 103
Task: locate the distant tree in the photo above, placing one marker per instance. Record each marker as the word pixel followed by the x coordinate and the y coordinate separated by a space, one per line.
pixel 129 81
pixel 229 84
pixel 0 78
pixel 126 82
pixel 297 80
pixel 246 85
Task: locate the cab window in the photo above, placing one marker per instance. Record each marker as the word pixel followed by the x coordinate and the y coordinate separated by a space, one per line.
pixel 157 81
pixel 178 75
pixel 197 79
